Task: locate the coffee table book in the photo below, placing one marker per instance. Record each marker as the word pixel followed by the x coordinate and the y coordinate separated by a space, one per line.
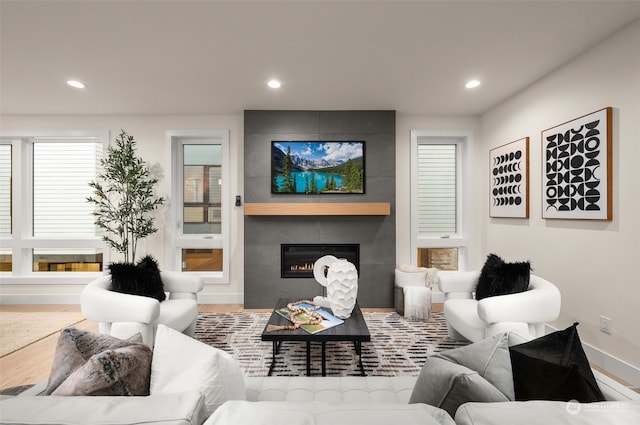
pixel 329 320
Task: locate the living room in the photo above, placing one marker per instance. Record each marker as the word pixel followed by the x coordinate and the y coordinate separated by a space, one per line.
pixel 590 261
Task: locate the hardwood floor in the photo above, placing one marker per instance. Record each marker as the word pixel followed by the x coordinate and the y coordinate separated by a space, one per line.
pixel 32 363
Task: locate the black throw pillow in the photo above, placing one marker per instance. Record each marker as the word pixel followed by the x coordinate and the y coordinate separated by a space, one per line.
pixel 138 279
pixel 554 367
pixel 500 278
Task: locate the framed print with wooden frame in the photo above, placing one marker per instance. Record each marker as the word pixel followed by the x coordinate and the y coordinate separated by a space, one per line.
pixel 576 175
pixel 509 165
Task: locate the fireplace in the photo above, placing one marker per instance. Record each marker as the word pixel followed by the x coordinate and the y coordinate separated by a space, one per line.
pixel 297 260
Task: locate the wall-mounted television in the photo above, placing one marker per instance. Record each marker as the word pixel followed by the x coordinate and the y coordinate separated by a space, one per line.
pixel 312 167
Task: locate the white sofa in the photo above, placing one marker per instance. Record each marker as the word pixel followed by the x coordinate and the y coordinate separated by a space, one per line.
pixel 192 384
pixel 123 315
pixel 524 313
pixel 371 399
pixel 340 400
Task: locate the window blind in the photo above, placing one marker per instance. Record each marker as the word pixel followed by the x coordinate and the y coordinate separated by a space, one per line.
pixel 436 194
pixel 5 189
pixel 62 171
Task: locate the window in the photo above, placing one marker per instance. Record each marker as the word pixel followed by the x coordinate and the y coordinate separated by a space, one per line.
pixel 46 225
pixel 437 199
pixel 5 205
pixel 200 169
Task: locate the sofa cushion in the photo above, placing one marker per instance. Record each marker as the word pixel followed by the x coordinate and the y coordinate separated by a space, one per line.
pixel 477 372
pixel 549 412
pixel 181 363
pixel 169 409
pixel 500 278
pixel 554 367
pixel 321 413
pixel 119 371
pixel 141 279
pixel 90 363
pixel 330 389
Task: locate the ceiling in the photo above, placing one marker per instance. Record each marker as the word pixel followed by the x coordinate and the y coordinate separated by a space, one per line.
pixel 204 57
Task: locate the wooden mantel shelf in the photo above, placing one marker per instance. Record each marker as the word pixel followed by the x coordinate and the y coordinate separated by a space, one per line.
pixel 276 208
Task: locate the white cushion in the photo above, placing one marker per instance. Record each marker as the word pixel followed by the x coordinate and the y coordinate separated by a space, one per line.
pixel 330 389
pixel 477 372
pixel 411 276
pixel 462 315
pixel 174 409
pixel 178 314
pixel 549 412
pixel 180 363
pixel 320 413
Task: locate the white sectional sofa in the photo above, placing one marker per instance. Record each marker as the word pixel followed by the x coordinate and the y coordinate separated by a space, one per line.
pixel 192 384
pixel 384 400
pixel 335 400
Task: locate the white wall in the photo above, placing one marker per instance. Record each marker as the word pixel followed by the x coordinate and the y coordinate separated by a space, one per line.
pixel 404 125
pixel 149 132
pixel 594 263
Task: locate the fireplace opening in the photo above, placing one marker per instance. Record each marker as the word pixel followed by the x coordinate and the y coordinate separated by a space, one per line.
pixel 297 260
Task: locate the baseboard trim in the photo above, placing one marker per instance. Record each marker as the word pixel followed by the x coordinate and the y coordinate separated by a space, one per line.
pixel 40 299
pixel 221 298
pixel 207 298
pixel 617 367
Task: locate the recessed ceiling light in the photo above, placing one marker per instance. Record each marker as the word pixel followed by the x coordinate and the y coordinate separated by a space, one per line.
pixel 471 84
pixel 76 84
pixel 274 84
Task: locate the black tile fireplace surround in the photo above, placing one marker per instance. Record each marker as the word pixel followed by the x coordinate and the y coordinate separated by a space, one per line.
pixel 297 260
pixel 264 234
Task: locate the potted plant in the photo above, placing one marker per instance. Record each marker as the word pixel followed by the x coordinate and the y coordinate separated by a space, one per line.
pixel 124 198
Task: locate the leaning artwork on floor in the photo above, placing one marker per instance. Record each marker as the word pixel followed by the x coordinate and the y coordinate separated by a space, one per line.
pixel 397 347
pixel 577 168
pixel 509 165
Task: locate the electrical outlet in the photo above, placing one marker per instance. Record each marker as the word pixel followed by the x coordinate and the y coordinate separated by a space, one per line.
pixel 605 325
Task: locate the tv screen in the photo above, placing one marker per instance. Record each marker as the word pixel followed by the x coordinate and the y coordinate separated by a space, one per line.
pixel 305 167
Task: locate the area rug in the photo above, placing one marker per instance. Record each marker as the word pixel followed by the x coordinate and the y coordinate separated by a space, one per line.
pixel 19 329
pixel 398 346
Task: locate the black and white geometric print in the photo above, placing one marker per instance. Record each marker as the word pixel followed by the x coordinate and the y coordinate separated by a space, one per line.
pixel 509 182
pixel 575 181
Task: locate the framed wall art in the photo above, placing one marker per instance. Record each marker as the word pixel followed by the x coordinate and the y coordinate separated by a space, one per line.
pixel 313 167
pixel 576 175
pixel 509 165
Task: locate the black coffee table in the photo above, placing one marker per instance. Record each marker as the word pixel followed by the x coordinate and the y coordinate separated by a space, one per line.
pixel 354 329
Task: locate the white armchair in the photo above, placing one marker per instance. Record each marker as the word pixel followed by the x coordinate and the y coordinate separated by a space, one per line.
pixel 524 313
pixel 123 315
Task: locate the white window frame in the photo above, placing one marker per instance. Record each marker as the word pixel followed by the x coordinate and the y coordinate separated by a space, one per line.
pixel 177 241
pixel 21 241
pixel 461 238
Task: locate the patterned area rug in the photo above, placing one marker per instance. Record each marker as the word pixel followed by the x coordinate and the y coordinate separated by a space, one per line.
pixel 19 329
pixel 398 346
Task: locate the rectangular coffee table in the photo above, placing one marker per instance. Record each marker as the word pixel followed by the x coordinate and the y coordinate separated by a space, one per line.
pixel 354 329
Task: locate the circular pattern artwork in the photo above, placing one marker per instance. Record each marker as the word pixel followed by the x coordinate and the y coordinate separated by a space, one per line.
pixel 509 180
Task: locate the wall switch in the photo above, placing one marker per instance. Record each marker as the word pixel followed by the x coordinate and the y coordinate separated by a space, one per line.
pixel 605 325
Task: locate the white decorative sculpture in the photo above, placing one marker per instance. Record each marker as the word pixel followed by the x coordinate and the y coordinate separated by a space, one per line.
pixel 341 281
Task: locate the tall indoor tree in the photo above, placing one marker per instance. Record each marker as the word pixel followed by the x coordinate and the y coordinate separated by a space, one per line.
pixel 124 198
